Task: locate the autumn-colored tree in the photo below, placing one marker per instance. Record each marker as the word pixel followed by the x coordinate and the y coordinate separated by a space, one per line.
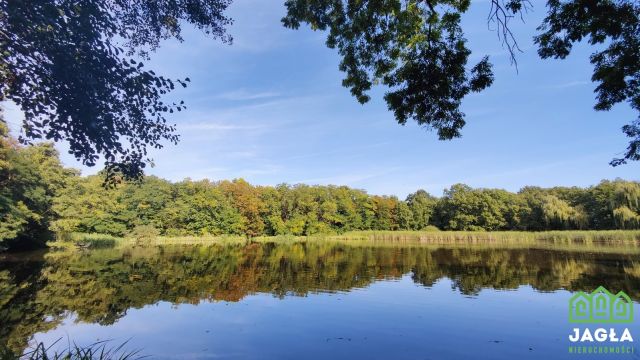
pixel 246 199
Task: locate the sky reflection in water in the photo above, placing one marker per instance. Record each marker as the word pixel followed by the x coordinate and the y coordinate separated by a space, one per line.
pixel 313 300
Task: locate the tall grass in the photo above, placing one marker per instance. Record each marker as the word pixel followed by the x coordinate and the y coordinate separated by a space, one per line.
pixel 568 240
pixel 176 240
pixel 627 239
pixel 612 237
pixel 86 240
pixel 97 351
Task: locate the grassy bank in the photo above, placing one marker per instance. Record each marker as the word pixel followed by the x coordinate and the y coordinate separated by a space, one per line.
pixel 612 237
pixel 601 241
pixel 578 240
pixel 85 240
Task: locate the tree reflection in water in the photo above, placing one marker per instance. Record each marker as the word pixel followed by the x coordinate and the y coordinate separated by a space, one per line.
pixel 38 290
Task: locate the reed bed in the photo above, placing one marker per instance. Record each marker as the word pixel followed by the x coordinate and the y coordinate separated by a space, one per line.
pixel 614 241
pixel 604 237
pixel 85 240
pixel 607 240
pixel 189 240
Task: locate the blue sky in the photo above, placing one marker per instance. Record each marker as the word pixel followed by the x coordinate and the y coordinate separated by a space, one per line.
pixel 271 109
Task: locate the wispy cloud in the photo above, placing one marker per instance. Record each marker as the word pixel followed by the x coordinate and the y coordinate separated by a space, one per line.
pixel 346 151
pixel 227 173
pixel 240 154
pixel 570 84
pixel 351 178
pixel 244 95
pixel 217 126
pixel 526 172
pixel 260 170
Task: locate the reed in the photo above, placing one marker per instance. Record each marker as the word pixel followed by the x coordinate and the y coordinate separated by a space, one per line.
pixel 97 351
pixel 188 240
pixel 85 240
pixel 608 237
pixel 600 240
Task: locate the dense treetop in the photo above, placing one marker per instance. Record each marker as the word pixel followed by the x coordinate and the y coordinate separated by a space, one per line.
pixel 236 207
pixel 30 178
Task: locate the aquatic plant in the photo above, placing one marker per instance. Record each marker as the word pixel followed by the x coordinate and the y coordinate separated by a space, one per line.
pixel 96 351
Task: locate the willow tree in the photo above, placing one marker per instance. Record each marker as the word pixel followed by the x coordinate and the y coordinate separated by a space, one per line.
pixel 625 204
pixel 558 214
pixel 626 218
pixel 609 201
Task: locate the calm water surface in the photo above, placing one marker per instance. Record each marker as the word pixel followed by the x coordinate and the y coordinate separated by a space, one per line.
pixel 310 300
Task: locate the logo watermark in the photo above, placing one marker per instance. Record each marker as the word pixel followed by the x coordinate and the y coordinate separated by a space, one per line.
pixel 601 307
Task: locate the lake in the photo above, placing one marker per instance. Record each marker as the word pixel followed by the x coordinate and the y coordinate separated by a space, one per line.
pixel 312 299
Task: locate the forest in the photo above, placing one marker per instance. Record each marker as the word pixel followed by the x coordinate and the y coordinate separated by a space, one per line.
pixel 40 198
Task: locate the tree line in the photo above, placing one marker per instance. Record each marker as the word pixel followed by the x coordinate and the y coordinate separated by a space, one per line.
pixel 207 207
pixel 39 196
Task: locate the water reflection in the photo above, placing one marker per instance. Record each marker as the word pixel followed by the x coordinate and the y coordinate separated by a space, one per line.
pixel 39 291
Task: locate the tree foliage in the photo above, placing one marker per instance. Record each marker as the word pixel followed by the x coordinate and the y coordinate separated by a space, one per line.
pixel 237 207
pixel 613 25
pixel 417 49
pixel 30 179
pixel 418 53
pixel 74 67
pixel 71 68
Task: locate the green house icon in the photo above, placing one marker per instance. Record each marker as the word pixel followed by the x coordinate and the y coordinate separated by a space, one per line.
pixel 600 306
